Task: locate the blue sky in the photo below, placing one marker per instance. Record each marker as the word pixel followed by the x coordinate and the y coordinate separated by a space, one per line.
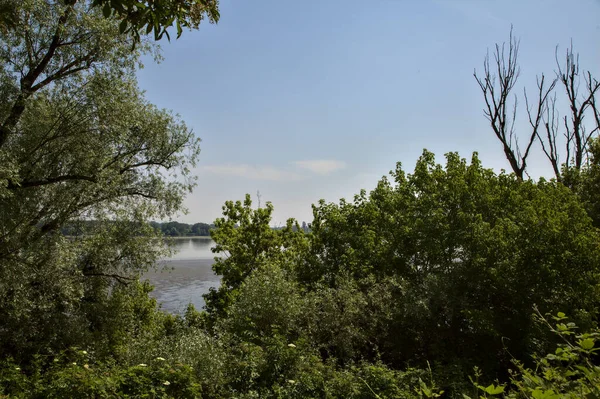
pixel 318 99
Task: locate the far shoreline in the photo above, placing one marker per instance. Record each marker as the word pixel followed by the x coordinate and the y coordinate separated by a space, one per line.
pixel 182 237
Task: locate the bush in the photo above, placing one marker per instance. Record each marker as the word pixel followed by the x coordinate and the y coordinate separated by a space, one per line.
pixel 64 378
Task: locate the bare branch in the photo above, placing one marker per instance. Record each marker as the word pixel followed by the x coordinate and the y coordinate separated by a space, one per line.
pixel 550 146
pixel 535 119
pixel 497 88
pixel 569 76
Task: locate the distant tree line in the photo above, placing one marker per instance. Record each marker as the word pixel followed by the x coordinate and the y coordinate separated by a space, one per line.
pixel 169 229
pixel 177 229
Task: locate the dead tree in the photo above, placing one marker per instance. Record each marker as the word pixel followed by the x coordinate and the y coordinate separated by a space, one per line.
pixel 564 138
pixel 575 136
pixel 497 85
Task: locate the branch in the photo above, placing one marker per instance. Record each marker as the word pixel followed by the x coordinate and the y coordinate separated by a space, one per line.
pixel 570 79
pixel 136 193
pixel 551 124
pixel 27 81
pixel 66 70
pixel 161 162
pixel 121 279
pixel 534 121
pixel 51 180
pixel 507 73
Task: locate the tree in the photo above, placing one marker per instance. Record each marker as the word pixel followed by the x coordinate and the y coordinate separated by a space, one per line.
pixel 564 138
pixel 201 229
pixel 78 141
pixel 244 235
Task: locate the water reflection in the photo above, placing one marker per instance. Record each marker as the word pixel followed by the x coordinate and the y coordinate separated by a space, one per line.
pixel 192 248
pixel 186 276
pixel 202 244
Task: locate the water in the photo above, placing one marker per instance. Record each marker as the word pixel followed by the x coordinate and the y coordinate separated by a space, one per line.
pixel 187 275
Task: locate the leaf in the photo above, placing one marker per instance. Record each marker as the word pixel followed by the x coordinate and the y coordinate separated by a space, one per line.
pixel 179 28
pixel 123 26
pixel 539 394
pixel 587 343
pixel 494 390
pixel 562 327
pixel 106 10
pixel 117 5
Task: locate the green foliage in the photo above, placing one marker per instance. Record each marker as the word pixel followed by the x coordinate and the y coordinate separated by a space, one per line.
pixel 75 375
pixel 567 373
pixel 244 235
pixel 153 16
pixel 176 229
pixel 394 295
pixel 444 265
pixel 570 372
pixel 586 182
pixel 80 143
pixel 268 304
pixel 471 253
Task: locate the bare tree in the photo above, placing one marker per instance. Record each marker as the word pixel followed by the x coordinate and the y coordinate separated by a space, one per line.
pixel 576 136
pixel 497 85
pixel 564 138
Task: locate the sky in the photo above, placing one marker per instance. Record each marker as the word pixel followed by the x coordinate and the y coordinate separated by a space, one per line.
pixel 300 101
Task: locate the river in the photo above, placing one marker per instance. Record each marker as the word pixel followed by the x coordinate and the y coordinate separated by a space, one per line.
pixel 184 277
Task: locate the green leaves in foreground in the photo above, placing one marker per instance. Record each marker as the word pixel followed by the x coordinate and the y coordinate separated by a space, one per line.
pixel 145 16
pixel 568 373
pixel 75 376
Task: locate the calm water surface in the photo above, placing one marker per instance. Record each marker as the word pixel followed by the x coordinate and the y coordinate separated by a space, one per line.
pixel 184 277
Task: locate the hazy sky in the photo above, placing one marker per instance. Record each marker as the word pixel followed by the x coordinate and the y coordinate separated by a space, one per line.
pixel 303 100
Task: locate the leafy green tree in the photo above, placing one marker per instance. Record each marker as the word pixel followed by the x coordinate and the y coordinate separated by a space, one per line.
pixel 248 242
pixel 79 142
pixel 471 252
